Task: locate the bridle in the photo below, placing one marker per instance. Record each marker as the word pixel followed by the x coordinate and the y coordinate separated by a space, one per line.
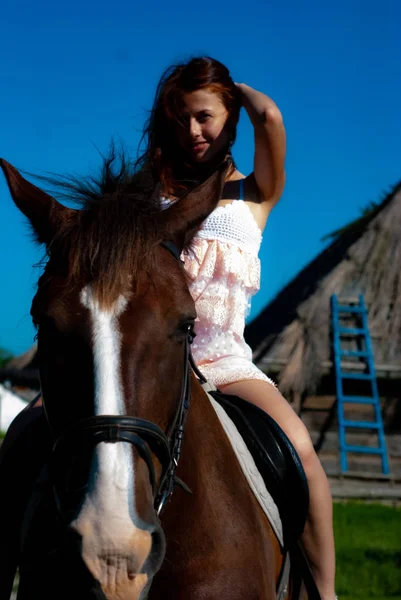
pixel 144 435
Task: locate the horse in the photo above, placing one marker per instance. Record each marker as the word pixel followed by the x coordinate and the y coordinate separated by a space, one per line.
pixel 142 496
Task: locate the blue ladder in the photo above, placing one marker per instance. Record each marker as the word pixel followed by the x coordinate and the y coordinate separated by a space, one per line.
pixel 365 354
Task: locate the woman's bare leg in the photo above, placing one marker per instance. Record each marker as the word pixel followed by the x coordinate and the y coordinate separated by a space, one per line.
pixel 318 538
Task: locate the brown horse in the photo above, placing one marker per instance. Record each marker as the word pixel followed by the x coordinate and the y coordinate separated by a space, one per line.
pixel 115 319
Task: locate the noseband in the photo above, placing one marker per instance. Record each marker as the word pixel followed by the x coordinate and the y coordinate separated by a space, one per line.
pixel 144 435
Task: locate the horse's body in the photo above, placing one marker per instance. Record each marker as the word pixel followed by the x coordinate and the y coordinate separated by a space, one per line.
pixel 113 313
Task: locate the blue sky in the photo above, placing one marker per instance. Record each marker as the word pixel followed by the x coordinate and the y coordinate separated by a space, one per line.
pixel 74 74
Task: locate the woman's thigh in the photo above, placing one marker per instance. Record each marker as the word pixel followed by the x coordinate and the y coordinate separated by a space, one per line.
pixel 267 397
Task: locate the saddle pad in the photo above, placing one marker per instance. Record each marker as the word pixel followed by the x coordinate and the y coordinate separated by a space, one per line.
pixel 250 471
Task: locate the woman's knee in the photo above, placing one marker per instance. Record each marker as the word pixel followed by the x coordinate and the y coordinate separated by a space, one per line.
pixel 270 399
pixel 295 429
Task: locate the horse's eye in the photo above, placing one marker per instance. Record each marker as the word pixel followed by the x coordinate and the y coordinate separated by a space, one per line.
pixel 186 330
pixel 191 331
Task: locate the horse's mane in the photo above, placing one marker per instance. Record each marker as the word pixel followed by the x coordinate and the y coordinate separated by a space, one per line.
pixel 114 231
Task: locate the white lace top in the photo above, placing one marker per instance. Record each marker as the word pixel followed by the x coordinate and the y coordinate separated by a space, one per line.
pixel 233 223
pixel 224 268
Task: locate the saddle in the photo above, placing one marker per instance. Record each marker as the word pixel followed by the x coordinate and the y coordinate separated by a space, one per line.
pixel 284 477
pixel 276 459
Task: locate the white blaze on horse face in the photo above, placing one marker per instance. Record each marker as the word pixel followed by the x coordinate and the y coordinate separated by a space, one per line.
pixel 106 353
pixel 108 521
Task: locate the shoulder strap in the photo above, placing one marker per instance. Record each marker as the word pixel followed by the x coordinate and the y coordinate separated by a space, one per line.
pixel 241 189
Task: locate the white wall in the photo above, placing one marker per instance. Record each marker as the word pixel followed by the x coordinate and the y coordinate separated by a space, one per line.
pixel 10 406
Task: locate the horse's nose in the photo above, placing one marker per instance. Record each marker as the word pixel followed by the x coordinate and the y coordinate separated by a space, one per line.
pixel 122 557
pixel 122 541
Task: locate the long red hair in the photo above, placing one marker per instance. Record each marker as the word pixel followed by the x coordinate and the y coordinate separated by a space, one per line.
pixel 163 155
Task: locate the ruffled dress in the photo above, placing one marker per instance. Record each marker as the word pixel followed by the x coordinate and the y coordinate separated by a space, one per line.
pixel 224 271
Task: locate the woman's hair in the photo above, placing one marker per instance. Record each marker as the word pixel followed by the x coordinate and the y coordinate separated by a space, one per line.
pixel 163 155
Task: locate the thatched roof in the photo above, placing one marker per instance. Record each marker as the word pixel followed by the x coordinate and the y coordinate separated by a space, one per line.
pixel 23 369
pixel 293 331
pixel 23 360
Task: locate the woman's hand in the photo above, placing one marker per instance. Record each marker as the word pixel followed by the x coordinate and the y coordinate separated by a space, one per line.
pixel 259 106
pixel 270 143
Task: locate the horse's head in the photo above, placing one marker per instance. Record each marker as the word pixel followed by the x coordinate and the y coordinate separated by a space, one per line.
pixel 113 313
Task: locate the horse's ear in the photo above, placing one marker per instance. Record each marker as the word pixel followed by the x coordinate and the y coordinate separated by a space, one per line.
pixel 185 216
pixel 43 211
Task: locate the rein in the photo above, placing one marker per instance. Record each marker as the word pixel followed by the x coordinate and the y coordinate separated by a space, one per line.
pixel 144 435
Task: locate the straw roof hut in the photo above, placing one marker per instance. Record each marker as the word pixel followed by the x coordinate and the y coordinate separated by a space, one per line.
pixel 291 336
pixel 27 359
pixel 22 371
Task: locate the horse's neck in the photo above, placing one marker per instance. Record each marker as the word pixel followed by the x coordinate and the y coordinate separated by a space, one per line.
pixel 221 516
pixel 207 455
pixel 209 443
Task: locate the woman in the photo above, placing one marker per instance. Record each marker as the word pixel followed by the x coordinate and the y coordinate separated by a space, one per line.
pixel 191 129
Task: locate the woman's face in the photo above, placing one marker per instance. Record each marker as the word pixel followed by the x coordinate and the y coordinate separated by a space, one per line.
pixel 204 134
